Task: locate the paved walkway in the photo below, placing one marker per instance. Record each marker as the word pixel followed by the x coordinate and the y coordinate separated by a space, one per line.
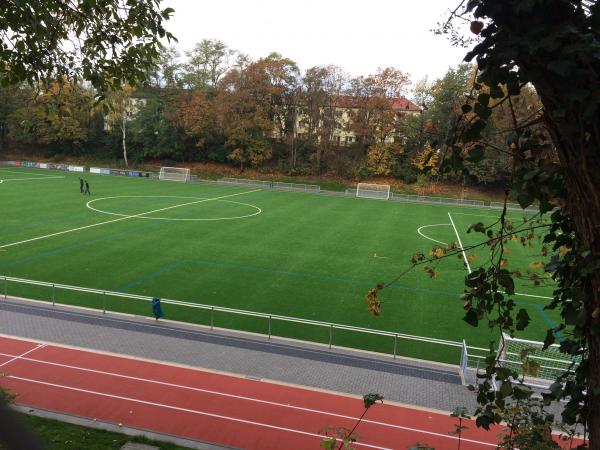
pixel 411 382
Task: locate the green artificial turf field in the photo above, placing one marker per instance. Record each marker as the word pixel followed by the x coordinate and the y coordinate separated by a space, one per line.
pixel 286 253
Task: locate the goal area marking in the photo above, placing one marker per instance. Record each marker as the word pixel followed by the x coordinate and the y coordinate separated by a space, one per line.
pixel 174 174
pixel 374 191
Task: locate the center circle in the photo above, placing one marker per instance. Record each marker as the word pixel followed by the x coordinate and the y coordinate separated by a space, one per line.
pixel 255 210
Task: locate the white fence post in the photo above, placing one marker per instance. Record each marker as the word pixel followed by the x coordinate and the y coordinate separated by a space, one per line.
pixel 270 327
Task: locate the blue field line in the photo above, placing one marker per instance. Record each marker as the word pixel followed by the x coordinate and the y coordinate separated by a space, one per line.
pixel 545 316
pixel 549 322
pixel 148 277
pixel 248 268
pixel 34 225
pixel 77 246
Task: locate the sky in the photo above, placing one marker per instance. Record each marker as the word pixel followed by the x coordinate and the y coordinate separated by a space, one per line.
pixel 357 35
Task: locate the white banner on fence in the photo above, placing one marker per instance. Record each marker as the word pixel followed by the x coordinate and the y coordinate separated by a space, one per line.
pixel 95 170
pixel 43 166
pixel 76 168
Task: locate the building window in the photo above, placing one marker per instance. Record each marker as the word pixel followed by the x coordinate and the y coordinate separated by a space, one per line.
pixel 349 139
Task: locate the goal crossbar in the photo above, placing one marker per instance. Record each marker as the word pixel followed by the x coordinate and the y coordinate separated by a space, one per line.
pixel 371 190
pixel 174 174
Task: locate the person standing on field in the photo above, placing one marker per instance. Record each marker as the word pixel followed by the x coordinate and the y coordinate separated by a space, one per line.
pixel 81 185
pixel 87 188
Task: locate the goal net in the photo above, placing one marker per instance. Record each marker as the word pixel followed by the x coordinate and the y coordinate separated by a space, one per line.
pixel 174 174
pixel 538 367
pixel 378 191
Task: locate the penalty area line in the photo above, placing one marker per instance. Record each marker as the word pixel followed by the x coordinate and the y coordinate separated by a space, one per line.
pixel 469 266
pixel 119 219
pixel 462 249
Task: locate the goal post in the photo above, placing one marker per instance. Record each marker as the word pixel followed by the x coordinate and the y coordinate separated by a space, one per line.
pixel 370 190
pixel 537 366
pixel 174 174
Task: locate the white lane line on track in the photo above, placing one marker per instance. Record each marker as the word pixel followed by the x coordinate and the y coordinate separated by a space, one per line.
pixel 434 225
pixel 38 346
pixel 188 410
pixel 119 219
pixel 240 397
pixel 460 244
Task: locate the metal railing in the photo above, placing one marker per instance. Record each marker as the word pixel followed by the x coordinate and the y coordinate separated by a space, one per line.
pixel 212 309
pixel 435 200
pixel 277 185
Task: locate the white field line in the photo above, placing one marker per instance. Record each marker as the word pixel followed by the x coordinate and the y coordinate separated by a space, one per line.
pixel 187 410
pixel 534 296
pixel 316 411
pixel 124 218
pixel 27 179
pixel 223 394
pixel 469 267
pixel 435 225
pixel 38 346
pixel 462 249
pixel 41 175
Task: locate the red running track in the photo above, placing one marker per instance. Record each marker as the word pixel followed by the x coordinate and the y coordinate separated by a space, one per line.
pixel 222 409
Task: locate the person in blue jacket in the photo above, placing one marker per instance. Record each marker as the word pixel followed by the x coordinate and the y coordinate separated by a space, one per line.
pixel 156 308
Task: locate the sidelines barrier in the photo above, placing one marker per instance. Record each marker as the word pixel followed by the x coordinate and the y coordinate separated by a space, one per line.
pixel 332 332
pixel 278 185
pixel 436 200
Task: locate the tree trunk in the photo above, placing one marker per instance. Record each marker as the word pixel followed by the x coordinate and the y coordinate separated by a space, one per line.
pixel 581 160
pixel 124 133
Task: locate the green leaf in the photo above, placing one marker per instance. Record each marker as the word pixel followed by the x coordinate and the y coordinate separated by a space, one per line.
pixel 550 339
pixel 478 227
pixel 556 389
pixel 484 99
pixel 483 111
pixel 473 132
pixel 523 319
pixel 328 443
pixel 524 199
pixel 496 92
pixel 476 154
pixel 506 389
pixel 370 399
pixel 521 392
pixel 506 281
pixel 471 318
pixel 513 87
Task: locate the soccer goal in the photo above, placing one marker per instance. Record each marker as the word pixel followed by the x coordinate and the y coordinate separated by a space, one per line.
pixel 174 174
pixel 378 191
pixel 537 366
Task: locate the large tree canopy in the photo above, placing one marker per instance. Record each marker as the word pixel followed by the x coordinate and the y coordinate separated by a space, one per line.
pixel 553 46
pixel 107 43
